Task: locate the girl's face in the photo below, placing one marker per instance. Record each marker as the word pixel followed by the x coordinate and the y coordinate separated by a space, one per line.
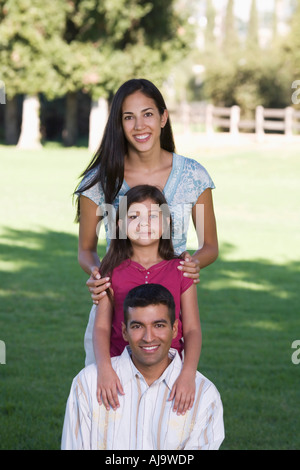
pixel 142 122
pixel 144 222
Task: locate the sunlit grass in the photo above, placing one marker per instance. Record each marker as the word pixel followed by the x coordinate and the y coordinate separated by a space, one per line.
pixel 265 325
pixel 248 299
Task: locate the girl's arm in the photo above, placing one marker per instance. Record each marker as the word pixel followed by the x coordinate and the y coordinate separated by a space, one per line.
pixel 87 248
pixel 108 383
pixel 184 387
pixel 205 224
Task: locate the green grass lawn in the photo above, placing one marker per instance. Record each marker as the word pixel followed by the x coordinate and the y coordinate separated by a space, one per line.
pixel 249 298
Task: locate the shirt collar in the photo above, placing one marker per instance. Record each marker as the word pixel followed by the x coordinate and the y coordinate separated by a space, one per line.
pixel 128 371
pixel 154 267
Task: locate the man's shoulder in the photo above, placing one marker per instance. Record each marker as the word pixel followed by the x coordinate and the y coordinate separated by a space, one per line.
pixel 86 375
pixel 204 384
pixel 89 373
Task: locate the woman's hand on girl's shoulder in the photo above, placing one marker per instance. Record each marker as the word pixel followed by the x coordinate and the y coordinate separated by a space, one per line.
pixel 97 285
pixel 190 267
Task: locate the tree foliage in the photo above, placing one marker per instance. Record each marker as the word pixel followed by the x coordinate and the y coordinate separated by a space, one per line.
pixel 247 74
pixel 30 33
pixel 252 33
pixel 210 26
pixel 231 39
pixel 291 46
pixel 63 46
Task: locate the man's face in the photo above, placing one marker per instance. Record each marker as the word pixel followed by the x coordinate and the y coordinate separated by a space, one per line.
pixel 149 334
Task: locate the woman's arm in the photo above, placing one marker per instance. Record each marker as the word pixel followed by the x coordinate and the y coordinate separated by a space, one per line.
pixel 87 247
pixel 88 239
pixel 191 326
pixel 108 383
pixel 205 224
pixel 206 228
pixel 184 387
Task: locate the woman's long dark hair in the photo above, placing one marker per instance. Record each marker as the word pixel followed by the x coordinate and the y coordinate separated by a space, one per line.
pixel 120 247
pixel 109 158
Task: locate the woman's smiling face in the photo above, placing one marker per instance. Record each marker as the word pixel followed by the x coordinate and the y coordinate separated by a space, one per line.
pixel 142 122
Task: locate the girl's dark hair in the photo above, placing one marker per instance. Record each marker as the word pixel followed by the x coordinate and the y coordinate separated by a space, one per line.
pixel 120 247
pixel 109 158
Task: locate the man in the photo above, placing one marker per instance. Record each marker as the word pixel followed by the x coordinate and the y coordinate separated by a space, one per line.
pixel 147 370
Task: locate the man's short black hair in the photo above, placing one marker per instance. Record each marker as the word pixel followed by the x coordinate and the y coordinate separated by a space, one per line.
pixel 149 294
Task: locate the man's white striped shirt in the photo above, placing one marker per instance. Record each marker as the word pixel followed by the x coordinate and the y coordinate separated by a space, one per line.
pixel 145 419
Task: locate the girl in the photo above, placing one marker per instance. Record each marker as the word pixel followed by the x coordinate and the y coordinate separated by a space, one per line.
pixel 137 148
pixel 142 252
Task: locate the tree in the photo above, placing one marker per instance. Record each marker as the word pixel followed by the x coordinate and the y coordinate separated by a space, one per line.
pixel 292 46
pixel 252 34
pixel 291 56
pixel 29 34
pixel 210 26
pixel 275 21
pixel 231 40
pixel 58 48
pixel 130 38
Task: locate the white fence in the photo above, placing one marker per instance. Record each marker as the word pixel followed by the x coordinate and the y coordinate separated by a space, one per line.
pixel 213 118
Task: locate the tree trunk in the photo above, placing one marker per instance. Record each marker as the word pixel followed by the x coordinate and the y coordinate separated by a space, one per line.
pixel 70 132
pixel 98 119
pixel 11 122
pixel 30 130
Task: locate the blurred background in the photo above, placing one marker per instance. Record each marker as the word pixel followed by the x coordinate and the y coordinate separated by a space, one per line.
pixel 61 62
pixel 230 74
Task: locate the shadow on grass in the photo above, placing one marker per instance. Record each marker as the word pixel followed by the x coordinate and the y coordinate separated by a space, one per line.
pixel 249 319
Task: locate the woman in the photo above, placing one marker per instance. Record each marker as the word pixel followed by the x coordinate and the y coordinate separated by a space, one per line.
pixel 138 148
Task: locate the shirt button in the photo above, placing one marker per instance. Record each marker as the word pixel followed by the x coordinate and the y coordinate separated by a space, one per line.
pixel 146 282
pixel 148 272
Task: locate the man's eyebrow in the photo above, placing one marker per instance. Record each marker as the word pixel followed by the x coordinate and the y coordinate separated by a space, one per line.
pixel 143 111
pixel 161 321
pixel 135 322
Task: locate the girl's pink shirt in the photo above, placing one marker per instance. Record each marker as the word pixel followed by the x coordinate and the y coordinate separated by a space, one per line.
pixel 130 274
